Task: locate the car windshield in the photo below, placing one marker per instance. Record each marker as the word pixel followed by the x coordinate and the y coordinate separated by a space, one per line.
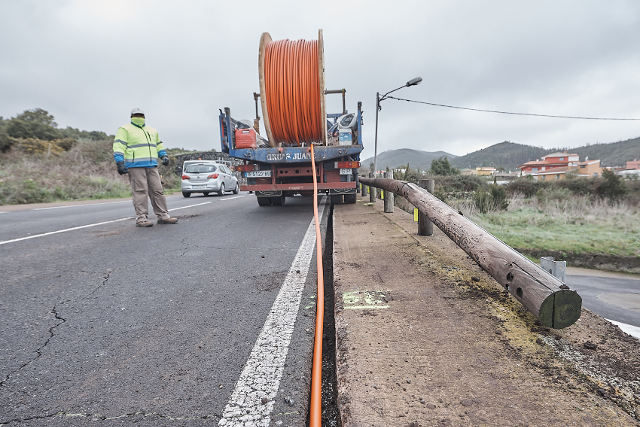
pixel 200 168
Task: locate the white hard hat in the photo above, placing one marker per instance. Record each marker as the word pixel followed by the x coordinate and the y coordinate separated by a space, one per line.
pixel 137 111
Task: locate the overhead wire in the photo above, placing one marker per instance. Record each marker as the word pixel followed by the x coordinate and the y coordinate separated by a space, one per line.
pixel 513 113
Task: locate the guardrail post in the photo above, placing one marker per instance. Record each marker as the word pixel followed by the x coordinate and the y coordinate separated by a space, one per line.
pixel 372 191
pixel 388 195
pixel 553 267
pixel 425 227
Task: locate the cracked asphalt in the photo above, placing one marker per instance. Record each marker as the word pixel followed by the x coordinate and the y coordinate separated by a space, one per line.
pixel 115 324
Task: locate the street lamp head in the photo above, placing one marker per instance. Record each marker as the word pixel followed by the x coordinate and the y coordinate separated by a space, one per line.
pixel 414 81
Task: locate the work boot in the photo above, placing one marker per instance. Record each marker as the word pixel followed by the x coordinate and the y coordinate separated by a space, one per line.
pixel 168 220
pixel 144 223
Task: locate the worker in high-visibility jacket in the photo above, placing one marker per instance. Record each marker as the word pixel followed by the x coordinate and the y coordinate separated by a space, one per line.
pixel 136 150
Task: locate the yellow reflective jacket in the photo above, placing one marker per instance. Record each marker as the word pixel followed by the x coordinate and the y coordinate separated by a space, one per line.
pixel 138 147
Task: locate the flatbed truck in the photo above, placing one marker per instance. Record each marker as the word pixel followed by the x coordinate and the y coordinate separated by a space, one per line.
pixel 275 173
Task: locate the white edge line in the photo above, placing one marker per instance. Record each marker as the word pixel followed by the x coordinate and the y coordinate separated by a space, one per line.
pixel 189 206
pixel 64 230
pixel 634 331
pixel 230 198
pixel 261 375
pixel 49 233
pixel 57 207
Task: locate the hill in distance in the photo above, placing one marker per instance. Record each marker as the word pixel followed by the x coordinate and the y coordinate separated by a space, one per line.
pixel 509 155
pixel 417 159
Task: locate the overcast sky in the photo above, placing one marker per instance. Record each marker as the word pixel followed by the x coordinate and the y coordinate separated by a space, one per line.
pixel 89 62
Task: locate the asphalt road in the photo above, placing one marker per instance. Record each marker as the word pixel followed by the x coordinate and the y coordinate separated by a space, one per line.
pixel 615 298
pixel 113 324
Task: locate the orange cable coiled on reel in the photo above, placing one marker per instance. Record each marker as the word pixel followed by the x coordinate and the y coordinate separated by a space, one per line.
pixel 292 89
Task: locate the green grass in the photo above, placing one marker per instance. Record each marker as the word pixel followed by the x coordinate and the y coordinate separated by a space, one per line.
pixel 595 229
pixel 85 172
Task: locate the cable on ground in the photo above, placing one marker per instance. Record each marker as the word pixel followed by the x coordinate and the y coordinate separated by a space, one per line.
pixel 315 412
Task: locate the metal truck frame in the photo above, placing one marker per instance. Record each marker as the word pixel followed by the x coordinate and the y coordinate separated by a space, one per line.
pixel 275 173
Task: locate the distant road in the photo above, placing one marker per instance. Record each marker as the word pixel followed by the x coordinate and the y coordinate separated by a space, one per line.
pixel 615 297
pixel 103 321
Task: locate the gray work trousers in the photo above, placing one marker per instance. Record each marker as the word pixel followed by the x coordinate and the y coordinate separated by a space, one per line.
pixel 145 182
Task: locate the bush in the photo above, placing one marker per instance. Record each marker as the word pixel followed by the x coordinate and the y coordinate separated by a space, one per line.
pixel 611 186
pixel 552 193
pixel 493 200
pixel 457 183
pixel 525 186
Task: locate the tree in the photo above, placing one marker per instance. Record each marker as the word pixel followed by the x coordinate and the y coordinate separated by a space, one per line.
pixel 612 186
pixel 442 166
pixel 36 123
pixel 5 141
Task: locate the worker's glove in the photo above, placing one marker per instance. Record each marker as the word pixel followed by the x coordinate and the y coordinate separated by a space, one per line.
pixel 165 161
pixel 122 169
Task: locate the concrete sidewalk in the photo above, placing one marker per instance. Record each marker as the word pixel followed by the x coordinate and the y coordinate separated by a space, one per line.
pixel 424 337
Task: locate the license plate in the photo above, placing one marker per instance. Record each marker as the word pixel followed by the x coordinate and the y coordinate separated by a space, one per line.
pixel 345 171
pixel 259 174
pixel 198 186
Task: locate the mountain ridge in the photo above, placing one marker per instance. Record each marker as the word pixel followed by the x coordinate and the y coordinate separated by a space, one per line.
pixel 508 155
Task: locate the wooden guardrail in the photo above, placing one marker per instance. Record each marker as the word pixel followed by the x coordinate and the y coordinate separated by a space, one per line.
pixel 551 301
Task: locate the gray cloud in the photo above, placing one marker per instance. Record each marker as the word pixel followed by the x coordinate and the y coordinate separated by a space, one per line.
pixel 88 63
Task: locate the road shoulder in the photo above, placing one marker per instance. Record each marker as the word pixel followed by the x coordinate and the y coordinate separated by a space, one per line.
pixel 426 337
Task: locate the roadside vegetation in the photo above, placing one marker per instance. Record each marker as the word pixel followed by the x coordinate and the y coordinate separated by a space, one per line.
pixel 40 162
pixel 575 219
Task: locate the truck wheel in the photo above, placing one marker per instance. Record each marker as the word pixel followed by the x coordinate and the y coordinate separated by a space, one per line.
pixel 349 199
pixel 264 201
pixel 336 199
pixel 186 194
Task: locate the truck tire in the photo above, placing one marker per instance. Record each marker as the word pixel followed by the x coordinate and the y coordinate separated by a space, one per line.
pixel 336 199
pixel 264 201
pixel 277 201
pixel 349 199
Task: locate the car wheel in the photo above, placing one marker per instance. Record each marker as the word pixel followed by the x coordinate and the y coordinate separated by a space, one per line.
pixel 186 194
pixel 221 191
pixel 264 201
pixel 237 189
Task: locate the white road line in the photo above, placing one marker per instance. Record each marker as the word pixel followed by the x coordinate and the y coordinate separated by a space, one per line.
pixel 261 375
pixel 49 233
pixel 3 212
pixel 81 206
pixel 63 231
pixel 55 207
pixel 231 198
pixel 634 331
pixel 189 206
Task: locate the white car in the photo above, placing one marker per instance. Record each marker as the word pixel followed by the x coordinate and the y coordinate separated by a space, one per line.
pixel 207 176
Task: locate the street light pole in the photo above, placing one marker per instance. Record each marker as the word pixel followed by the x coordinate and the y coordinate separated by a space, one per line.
pixel 375 155
pixel 414 81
